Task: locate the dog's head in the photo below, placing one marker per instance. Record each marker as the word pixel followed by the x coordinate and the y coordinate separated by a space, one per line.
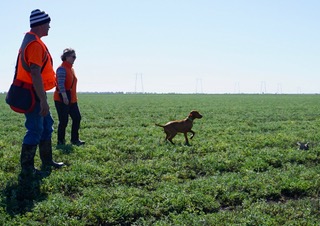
pixel 195 114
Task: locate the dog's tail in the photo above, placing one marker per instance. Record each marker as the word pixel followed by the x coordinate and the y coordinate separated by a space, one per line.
pixel 159 125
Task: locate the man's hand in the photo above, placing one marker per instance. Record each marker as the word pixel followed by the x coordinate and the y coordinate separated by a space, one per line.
pixel 44 108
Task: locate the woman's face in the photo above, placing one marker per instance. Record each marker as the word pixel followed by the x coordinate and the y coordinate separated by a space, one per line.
pixel 71 58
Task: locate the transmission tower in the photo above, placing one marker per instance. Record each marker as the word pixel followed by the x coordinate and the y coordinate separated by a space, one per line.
pixel 263 88
pixel 237 87
pixel 138 77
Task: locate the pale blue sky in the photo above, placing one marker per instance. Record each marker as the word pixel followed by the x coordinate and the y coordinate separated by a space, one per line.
pixel 182 46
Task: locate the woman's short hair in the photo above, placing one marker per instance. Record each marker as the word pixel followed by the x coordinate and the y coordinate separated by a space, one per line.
pixel 66 53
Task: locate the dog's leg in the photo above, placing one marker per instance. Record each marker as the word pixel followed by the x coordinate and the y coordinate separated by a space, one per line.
pixel 186 138
pixel 193 133
pixel 172 135
pixel 168 138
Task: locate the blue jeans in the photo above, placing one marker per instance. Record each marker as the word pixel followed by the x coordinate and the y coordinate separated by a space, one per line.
pixel 38 128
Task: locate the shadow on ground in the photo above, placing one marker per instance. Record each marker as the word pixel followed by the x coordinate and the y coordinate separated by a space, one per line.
pixel 20 197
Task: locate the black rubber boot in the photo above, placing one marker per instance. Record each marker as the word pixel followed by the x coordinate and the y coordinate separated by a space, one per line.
pixel 29 176
pixel 27 163
pixel 45 149
pixel 27 159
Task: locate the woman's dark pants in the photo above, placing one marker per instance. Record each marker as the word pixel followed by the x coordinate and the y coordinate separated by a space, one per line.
pixel 63 114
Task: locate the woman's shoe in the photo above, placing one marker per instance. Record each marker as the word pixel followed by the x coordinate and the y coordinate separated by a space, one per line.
pixel 78 142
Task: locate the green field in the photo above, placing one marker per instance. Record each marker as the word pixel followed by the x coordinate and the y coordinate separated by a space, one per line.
pixel 243 166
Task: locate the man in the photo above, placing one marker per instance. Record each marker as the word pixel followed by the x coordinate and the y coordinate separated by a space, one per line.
pixel 35 67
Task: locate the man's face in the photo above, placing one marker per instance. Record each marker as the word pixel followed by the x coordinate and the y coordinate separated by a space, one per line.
pixel 45 28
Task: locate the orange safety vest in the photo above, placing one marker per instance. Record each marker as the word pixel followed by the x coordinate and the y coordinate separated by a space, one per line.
pixel 70 83
pixel 24 71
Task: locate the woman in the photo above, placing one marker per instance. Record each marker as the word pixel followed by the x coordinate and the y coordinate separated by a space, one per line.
pixel 65 98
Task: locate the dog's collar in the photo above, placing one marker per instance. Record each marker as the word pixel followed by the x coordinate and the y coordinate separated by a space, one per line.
pixel 191 119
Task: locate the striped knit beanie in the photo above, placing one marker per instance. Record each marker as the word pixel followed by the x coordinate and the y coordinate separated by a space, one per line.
pixel 38 17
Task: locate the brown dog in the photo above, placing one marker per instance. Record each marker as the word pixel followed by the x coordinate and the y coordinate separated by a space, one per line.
pixel 181 126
